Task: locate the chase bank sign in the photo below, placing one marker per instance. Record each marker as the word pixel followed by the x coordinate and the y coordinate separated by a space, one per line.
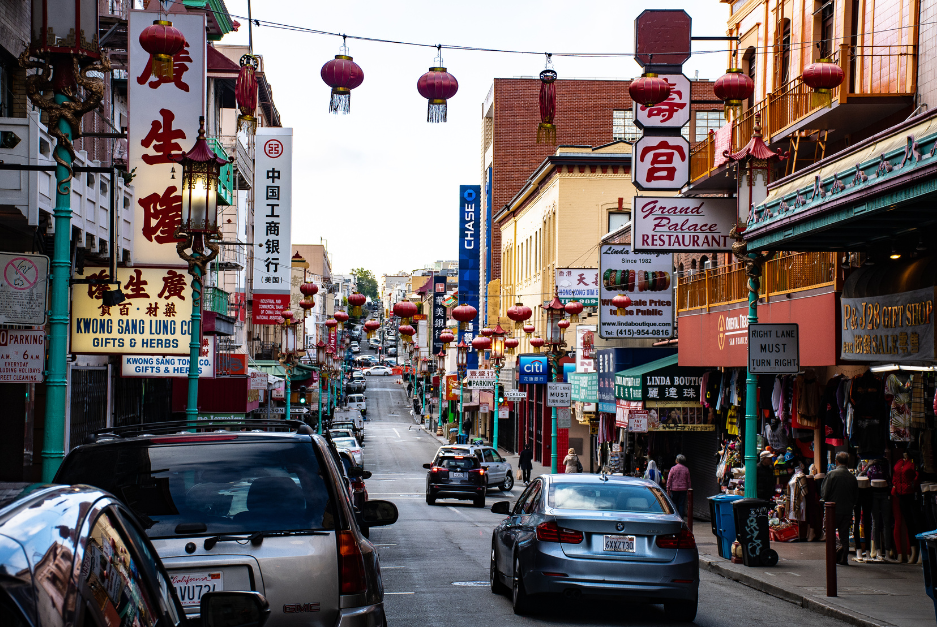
pixel 533 369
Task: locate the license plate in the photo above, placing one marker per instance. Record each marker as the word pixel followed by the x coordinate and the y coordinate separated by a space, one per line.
pixel 619 544
pixel 191 586
pixel 457 475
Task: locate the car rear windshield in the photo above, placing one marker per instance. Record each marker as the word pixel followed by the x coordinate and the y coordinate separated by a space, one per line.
pixel 345 442
pixel 230 487
pixel 457 463
pixel 609 497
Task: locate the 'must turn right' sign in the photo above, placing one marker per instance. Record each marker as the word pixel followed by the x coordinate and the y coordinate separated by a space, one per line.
pixel 773 349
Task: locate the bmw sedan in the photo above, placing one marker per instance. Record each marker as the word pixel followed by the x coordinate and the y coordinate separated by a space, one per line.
pixel 593 536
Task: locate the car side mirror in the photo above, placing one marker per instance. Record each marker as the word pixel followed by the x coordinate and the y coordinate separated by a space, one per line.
pixel 244 609
pixel 427 466
pixel 502 507
pixel 378 513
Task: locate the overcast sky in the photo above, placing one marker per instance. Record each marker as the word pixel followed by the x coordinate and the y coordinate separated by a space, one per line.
pixel 380 185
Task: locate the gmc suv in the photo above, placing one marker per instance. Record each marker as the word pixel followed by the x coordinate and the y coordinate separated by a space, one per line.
pixel 240 506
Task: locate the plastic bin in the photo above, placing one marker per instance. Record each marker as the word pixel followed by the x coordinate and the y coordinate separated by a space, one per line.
pixel 928 541
pixel 723 522
pixel 752 531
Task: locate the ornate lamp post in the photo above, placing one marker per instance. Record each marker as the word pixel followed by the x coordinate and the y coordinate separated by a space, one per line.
pixel 441 373
pixel 497 358
pixel 555 314
pixel 290 348
pixel 323 374
pixel 424 369
pixel 64 47
pixel 198 232
pixel 461 362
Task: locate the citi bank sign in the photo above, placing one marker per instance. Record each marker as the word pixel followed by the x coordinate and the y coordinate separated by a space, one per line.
pixel 533 369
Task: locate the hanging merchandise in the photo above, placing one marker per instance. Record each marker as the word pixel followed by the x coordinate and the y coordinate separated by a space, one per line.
pixel 437 86
pixel 546 131
pixel 733 88
pixel 822 77
pixel 245 92
pixel 163 41
pixel 342 74
pixel 900 410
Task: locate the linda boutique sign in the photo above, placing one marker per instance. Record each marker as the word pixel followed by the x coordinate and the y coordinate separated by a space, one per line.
pixel 889 328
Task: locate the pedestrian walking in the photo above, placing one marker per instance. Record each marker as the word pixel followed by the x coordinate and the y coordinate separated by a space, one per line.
pixel 526 462
pixel 572 462
pixel 842 488
pixel 653 474
pixel 766 480
pixel 678 482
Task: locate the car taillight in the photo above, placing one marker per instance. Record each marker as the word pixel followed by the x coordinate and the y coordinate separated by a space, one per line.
pixel 551 532
pixel 351 564
pixel 437 469
pixel 682 540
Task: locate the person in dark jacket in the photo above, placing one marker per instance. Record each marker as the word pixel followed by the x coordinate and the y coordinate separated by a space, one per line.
pixel 842 488
pixel 766 478
pixel 526 462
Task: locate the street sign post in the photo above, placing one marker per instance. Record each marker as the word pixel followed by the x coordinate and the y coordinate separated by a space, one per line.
pixel 559 394
pixel 515 395
pixel 480 379
pixel 22 355
pixel 773 349
pixel 24 283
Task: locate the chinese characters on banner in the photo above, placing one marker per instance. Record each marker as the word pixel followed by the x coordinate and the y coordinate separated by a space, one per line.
pixel 163 121
pixel 273 191
pixel 469 261
pixel 896 328
pixel 661 162
pixel 152 320
pixel 671 113
pixel 670 224
pixel 439 311
pixel 580 284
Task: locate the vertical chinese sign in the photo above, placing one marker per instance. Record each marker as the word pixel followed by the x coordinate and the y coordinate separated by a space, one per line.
pixel 439 311
pixel 469 261
pixel 164 117
pixel 273 193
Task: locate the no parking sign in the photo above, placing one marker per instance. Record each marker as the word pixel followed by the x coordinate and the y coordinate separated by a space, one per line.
pixel 23 288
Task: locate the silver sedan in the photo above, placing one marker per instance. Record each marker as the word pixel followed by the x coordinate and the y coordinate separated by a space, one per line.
pixel 582 535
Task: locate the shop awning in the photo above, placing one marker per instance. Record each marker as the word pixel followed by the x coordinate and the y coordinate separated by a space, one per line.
pixel 275 368
pixel 629 383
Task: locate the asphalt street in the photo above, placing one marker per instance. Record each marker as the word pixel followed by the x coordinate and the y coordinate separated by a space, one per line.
pixel 435 559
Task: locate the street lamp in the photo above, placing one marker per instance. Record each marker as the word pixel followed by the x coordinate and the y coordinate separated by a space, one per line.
pixel 461 363
pixel 497 358
pixel 290 348
pixel 441 373
pixel 198 232
pixel 323 374
pixel 556 313
pixel 61 54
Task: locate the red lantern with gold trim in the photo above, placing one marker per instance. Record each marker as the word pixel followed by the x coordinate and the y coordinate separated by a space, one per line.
pixel 621 302
pixel 733 88
pixel 245 91
pixel 437 86
pixel 342 74
pixel 481 343
pixel 446 337
pixel 649 90
pixel 464 314
pixel 823 77
pixel 573 308
pixel 163 41
pixel 356 300
pixel 309 289
pixel 510 343
pixel 537 342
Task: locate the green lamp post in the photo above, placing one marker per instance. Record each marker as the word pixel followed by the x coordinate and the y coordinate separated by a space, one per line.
pixel 323 374
pixel 497 360
pixel 556 313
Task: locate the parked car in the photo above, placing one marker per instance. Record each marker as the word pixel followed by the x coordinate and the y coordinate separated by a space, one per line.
pixel 356 475
pixel 390 351
pixel 347 425
pixel 355 348
pixel 455 477
pixel 353 416
pixel 374 343
pixel 498 469
pixel 355 386
pixel 359 402
pixel 253 509
pixel 390 361
pixel 607 535
pixel 350 444
pixel 378 370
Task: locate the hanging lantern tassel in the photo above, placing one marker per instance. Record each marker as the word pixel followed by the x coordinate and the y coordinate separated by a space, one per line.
pixel 437 86
pixel 162 40
pixel 546 131
pixel 246 93
pixel 342 74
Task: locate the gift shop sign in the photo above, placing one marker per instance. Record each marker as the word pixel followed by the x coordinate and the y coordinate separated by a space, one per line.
pixel 892 328
pixel 163 121
pixel 170 365
pixel 22 356
pixel 152 320
pixel 273 185
pixel 679 225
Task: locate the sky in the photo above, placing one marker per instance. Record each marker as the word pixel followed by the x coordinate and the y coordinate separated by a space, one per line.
pixel 380 185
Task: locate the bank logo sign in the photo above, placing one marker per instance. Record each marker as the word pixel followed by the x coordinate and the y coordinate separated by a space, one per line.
pixel 533 369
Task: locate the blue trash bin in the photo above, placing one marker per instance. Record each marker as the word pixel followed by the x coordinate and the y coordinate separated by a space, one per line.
pixel 928 541
pixel 723 522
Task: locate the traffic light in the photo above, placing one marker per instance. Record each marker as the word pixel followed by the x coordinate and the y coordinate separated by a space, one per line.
pixel 302 395
pixel 500 394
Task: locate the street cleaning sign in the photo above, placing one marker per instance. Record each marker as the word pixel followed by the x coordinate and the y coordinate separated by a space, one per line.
pixel 22 356
pixel 773 349
pixel 23 288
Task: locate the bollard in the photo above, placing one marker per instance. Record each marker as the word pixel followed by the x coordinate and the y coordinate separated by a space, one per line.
pixel 830 526
pixel 689 509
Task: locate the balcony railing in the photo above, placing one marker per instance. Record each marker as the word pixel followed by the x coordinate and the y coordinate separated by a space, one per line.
pixel 215 299
pixel 791 272
pixel 226 180
pixel 702 157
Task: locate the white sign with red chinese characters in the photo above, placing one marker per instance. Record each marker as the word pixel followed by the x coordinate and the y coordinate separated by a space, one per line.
pixel 661 162
pixel 152 320
pixel 671 224
pixel 671 113
pixel 580 284
pixel 164 117
pixel 22 355
pixel 170 365
pixel 585 348
pixel 273 193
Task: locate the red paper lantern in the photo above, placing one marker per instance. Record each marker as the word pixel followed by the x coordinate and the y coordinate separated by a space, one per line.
pixel 546 131
pixel 163 41
pixel 563 324
pixel 649 90
pixel 437 86
pixel 404 310
pixel 306 304
pixel 341 316
pixel 342 74
pixel 245 91
pixel 822 77
pixel 371 326
pixel 487 332
pixel 733 88
pixel 356 300
pixel 464 314
pixel 574 308
pixel 537 342
pixel 331 323
pixel 510 344
pixel 528 329
pixel 446 337
pixel 621 302
pixel 286 314
pixel 406 332
pixel 309 289
pixel 519 313
pixel 481 343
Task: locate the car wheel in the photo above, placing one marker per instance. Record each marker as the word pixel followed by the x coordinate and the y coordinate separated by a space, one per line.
pixel 508 483
pixel 494 577
pixel 430 500
pixel 681 611
pixel 479 501
pixel 520 601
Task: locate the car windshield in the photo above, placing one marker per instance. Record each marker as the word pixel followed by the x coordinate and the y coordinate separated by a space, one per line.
pixel 340 433
pixel 345 442
pixel 609 497
pixel 211 487
pixel 458 463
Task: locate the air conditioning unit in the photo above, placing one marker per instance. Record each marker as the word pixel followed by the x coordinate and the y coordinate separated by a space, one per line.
pixel 709 265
